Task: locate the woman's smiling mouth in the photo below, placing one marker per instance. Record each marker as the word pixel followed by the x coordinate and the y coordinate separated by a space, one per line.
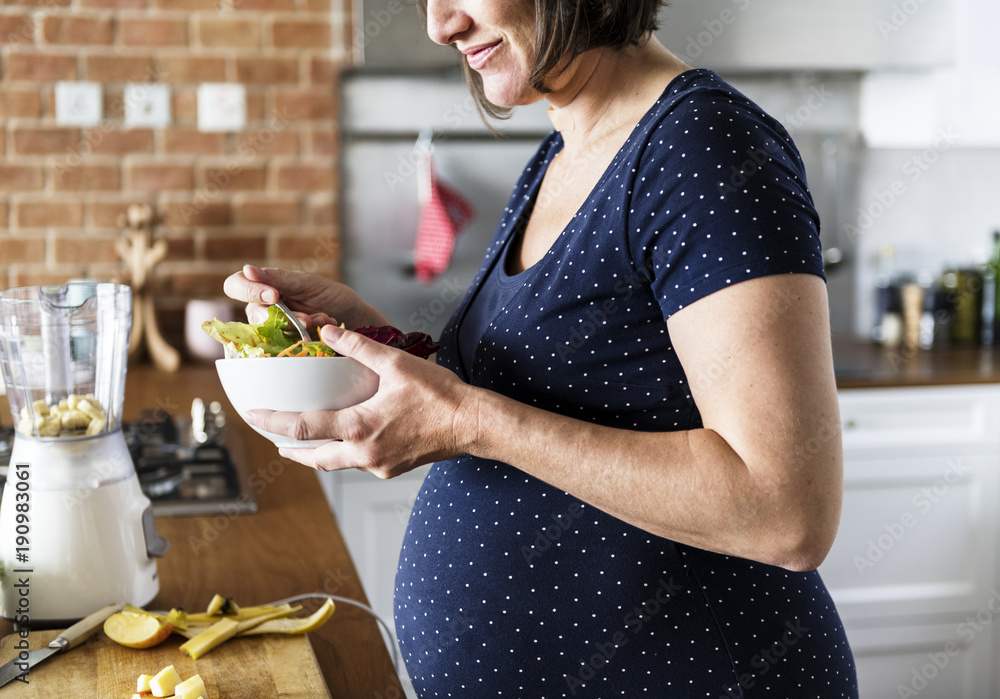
pixel 477 56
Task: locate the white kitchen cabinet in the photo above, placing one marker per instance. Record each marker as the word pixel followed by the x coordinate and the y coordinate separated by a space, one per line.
pixel 914 568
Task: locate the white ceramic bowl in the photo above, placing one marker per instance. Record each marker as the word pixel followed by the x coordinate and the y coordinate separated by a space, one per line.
pixel 295 384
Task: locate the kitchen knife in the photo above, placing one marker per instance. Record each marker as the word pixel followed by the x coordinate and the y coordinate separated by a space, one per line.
pixel 67 640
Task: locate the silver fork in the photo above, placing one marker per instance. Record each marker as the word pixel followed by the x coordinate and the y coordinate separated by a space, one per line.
pixel 294 320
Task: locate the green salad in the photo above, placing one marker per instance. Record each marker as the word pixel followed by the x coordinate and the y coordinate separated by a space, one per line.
pixel 275 338
pixel 268 339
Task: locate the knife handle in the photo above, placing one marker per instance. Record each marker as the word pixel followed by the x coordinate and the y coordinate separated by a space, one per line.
pixel 84 629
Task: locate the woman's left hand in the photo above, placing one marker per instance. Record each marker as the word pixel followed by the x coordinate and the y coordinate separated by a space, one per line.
pixel 411 420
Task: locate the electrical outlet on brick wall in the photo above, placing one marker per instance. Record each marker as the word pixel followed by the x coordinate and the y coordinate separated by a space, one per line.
pixel 79 103
pixel 147 105
pixel 222 107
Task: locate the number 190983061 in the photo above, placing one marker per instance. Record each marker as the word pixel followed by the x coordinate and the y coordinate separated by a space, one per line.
pixel 18 576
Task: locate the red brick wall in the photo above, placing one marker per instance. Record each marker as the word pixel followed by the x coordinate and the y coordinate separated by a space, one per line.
pixel 267 194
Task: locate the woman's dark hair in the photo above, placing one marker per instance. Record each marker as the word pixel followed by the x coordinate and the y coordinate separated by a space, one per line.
pixel 564 29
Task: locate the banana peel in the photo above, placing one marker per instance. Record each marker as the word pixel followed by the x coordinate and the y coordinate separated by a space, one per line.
pixel 178 617
pixel 222 605
pixel 243 614
pixel 294 626
pixel 221 631
pixel 197 623
pixel 205 631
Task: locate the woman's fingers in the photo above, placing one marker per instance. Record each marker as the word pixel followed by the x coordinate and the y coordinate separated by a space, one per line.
pixel 300 426
pixel 373 355
pixel 256 313
pixel 293 285
pixel 252 288
pixel 263 285
pixel 321 458
pixel 333 455
pixel 318 320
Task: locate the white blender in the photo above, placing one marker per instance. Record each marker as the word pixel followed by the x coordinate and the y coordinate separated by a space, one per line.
pixel 76 531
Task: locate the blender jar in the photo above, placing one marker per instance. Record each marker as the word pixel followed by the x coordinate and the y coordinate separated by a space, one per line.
pixel 63 352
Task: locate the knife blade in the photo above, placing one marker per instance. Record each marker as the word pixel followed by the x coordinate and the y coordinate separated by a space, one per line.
pixel 67 640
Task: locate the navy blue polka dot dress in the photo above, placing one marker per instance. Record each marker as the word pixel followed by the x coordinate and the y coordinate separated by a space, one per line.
pixel 508 587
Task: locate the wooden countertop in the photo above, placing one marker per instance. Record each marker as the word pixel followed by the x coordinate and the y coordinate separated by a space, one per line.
pixel 291 545
pixel 862 364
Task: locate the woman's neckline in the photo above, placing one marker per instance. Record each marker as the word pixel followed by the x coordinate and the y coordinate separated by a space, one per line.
pixel 557 146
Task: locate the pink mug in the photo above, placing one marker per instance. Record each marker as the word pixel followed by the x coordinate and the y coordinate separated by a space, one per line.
pixel 200 345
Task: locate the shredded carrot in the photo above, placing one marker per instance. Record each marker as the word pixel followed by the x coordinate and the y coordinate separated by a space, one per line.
pixel 287 352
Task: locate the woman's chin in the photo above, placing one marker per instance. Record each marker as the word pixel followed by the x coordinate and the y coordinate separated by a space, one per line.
pixel 507 95
pixel 510 98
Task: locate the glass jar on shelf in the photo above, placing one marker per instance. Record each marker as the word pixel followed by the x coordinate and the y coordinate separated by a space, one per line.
pixel 964 288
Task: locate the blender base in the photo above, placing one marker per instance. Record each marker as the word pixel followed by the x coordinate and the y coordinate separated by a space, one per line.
pixel 85 542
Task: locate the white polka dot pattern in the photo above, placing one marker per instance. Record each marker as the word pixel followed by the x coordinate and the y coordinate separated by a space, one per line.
pixel 508 587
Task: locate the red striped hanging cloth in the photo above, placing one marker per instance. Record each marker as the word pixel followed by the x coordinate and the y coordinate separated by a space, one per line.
pixel 444 213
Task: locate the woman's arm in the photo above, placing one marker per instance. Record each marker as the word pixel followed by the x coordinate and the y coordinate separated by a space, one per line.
pixel 761 480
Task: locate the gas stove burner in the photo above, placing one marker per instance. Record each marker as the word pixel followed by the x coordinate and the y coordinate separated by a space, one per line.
pixel 179 473
pixel 151 429
pixel 161 481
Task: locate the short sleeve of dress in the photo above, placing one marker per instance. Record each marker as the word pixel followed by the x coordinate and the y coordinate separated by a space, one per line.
pixel 719 197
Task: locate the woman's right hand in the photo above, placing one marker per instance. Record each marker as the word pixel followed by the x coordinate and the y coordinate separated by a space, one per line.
pixel 320 300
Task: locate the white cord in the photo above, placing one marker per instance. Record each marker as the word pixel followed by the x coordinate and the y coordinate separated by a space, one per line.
pixel 359 605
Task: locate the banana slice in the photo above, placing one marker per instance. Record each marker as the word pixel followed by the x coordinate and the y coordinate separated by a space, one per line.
pixel 212 637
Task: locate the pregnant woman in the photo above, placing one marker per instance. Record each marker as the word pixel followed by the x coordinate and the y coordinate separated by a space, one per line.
pixel 633 414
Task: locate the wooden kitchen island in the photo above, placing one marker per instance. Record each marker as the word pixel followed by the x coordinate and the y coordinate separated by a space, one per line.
pixel 291 545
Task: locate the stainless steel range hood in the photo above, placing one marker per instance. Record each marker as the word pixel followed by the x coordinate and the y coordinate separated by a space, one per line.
pixel 816 35
pixel 726 35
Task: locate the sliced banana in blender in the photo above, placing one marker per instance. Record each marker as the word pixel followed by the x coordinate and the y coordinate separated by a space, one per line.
pixel 70 417
pixel 73 420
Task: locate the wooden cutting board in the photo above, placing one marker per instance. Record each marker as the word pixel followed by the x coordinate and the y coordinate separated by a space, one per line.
pixel 270 665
